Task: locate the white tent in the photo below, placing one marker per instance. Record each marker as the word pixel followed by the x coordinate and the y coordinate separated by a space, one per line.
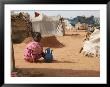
pixel 82 26
pixel 68 26
pixel 92 46
pixel 47 26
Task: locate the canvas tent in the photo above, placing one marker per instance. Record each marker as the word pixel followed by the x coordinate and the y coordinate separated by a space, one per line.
pixel 92 46
pixel 68 26
pixel 80 26
pixel 46 25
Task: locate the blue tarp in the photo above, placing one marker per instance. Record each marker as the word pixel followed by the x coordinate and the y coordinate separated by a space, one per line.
pixel 82 19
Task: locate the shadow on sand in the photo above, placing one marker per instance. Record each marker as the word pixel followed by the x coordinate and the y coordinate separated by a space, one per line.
pixel 72 34
pixel 46 41
pixel 49 72
pixel 54 61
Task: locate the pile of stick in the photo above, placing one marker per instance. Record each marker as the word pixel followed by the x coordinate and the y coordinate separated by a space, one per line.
pixel 21 23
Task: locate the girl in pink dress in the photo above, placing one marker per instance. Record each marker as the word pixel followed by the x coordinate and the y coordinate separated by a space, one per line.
pixel 34 50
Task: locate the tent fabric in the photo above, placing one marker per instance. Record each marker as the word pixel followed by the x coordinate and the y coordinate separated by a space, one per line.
pixel 68 26
pixel 92 46
pixel 80 26
pixel 48 26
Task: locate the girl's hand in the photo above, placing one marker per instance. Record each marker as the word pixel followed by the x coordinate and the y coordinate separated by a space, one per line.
pixel 43 54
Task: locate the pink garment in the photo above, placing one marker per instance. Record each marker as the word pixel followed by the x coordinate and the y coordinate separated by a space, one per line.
pixel 33 51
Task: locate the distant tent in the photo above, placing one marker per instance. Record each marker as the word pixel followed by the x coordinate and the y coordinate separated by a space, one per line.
pixel 82 19
pixel 80 26
pixel 67 25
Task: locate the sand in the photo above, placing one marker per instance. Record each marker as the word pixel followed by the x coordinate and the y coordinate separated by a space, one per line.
pixel 68 62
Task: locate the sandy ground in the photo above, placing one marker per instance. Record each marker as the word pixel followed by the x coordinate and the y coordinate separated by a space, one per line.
pixel 68 61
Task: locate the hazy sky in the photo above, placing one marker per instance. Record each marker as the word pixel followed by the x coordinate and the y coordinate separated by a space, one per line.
pixel 69 13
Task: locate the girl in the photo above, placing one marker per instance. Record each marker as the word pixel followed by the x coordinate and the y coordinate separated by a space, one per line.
pixel 34 50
